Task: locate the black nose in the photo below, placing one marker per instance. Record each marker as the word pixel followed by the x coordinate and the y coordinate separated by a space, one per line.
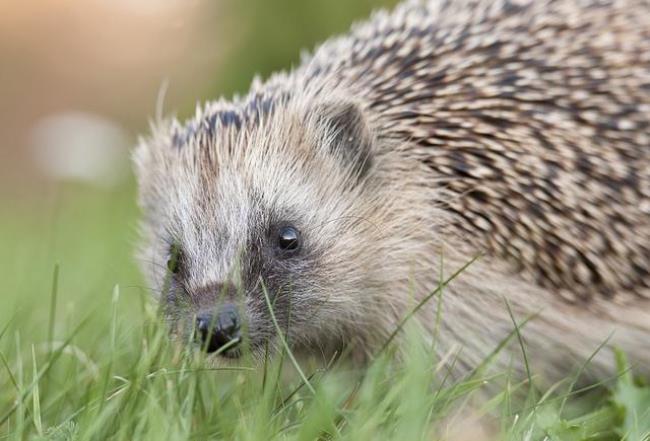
pixel 218 330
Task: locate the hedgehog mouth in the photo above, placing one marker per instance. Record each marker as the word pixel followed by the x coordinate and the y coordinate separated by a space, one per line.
pixel 226 349
pixel 230 353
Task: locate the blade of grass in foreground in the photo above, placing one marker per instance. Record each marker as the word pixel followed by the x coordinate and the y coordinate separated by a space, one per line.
pixel 36 399
pixel 53 300
pixel 295 363
pixel 522 346
pixel 6 327
pixel 44 370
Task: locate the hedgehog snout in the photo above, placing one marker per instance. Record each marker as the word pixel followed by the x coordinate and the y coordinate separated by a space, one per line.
pixel 220 330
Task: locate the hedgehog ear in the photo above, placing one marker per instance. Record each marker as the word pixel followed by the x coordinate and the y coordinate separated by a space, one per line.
pixel 351 138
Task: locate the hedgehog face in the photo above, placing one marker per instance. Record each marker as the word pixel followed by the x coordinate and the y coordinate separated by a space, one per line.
pixel 282 211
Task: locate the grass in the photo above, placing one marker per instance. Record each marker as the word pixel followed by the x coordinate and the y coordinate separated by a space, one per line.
pixel 83 356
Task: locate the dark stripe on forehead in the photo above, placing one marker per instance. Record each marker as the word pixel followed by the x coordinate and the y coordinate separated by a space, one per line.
pixel 183 134
pixel 226 118
pixel 208 125
pixel 249 114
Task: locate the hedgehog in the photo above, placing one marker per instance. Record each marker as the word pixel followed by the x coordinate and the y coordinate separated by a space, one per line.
pixel 491 155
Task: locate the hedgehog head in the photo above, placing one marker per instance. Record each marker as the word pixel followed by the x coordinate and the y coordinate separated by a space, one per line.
pixel 252 208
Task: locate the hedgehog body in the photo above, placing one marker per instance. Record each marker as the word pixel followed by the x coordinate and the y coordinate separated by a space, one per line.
pixel 517 130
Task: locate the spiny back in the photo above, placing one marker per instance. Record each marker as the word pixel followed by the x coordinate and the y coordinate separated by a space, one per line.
pixel 537 115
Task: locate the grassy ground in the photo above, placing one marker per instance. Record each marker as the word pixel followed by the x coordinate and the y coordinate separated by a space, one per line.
pixel 83 356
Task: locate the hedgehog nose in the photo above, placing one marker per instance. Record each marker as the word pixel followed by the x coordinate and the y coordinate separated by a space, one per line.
pixel 218 330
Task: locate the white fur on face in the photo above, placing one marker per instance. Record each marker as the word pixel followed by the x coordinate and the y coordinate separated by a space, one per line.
pixel 212 196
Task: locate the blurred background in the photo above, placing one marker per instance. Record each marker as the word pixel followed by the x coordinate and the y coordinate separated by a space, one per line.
pixel 79 80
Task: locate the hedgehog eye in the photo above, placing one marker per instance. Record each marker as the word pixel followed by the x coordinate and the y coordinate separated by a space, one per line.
pixel 174 260
pixel 289 239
